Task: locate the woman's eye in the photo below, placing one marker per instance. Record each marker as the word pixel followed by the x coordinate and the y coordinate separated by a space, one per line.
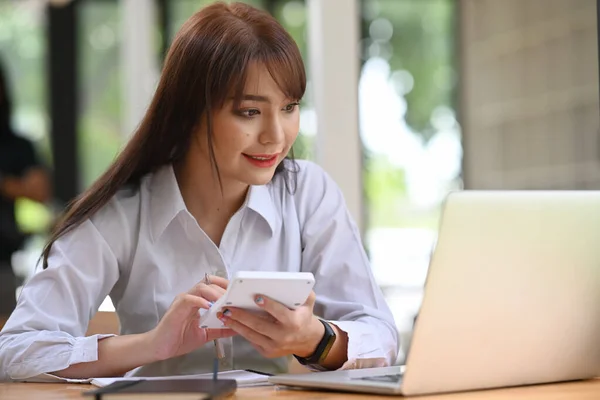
pixel 290 107
pixel 249 112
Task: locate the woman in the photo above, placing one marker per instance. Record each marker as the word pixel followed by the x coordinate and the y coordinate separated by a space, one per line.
pixel 21 176
pixel 204 186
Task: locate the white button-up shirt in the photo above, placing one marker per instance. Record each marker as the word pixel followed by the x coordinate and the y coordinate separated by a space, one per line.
pixel 144 247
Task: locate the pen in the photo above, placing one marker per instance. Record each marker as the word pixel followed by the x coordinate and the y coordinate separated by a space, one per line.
pixel 215 369
pixel 258 372
pixel 218 345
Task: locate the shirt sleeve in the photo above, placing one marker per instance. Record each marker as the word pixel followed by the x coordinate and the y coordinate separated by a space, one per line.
pixel 46 331
pixel 347 294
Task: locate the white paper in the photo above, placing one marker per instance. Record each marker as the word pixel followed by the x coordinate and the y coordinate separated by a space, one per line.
pixel 243 378
pixel 49 378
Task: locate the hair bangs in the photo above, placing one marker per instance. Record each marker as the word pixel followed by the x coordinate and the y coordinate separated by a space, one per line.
pixel 287 70
pixel 274 49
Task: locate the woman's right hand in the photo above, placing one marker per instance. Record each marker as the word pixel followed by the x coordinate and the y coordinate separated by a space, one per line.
pixel 178 332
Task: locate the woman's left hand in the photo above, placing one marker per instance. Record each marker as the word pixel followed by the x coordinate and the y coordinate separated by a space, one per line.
pixel 279 332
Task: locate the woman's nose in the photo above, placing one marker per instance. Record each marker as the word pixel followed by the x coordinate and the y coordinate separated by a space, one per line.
pixel 273 132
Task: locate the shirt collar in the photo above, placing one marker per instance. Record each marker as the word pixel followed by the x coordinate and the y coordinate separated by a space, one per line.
pixel 260 200
pixel 166 202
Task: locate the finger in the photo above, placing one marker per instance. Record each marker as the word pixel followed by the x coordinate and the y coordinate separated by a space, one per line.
pixel 310 301
pixel 196 289
pixel 264 352
pixel 247 333
pixel 213 334
pixel 217 280
pixel 186 300
pixel 209 292
pixel 280 312
pixel 264 324
pixel 260 315
pixel 218 289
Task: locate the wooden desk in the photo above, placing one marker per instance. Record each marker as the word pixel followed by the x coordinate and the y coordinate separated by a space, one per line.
pixel 584 390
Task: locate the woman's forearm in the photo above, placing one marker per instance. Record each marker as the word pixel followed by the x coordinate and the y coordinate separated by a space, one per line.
pixel 116 356
pixel 338 354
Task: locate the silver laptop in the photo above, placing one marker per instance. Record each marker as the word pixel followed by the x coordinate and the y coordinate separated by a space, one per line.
pixel 512 298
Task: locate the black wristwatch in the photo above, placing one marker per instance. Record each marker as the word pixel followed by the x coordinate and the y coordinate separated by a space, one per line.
pixel 323 347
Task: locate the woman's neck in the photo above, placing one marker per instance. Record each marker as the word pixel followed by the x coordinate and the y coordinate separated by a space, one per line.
pixel 211 204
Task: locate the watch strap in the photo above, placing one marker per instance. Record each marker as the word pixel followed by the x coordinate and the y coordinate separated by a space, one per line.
pixel 323 347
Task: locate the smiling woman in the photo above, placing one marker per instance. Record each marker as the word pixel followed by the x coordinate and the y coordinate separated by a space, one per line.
pixel 256 127
pixel 206 185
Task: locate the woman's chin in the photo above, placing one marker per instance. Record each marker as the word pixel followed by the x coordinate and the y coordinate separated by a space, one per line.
pixel 257 178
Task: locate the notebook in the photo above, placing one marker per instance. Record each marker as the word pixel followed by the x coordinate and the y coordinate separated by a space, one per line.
pixel 175 389
pixel 244 378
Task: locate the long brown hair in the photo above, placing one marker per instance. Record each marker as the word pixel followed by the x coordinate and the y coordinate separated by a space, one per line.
pixel 206 64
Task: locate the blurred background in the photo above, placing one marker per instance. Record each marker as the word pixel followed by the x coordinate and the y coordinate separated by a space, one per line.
pixel 407 100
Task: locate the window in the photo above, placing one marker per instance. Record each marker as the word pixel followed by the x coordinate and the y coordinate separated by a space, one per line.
pixel 22 51
pixel 412 145
pixel 100 86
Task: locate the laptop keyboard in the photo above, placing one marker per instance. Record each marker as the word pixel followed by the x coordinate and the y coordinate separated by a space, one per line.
pixel 392 378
